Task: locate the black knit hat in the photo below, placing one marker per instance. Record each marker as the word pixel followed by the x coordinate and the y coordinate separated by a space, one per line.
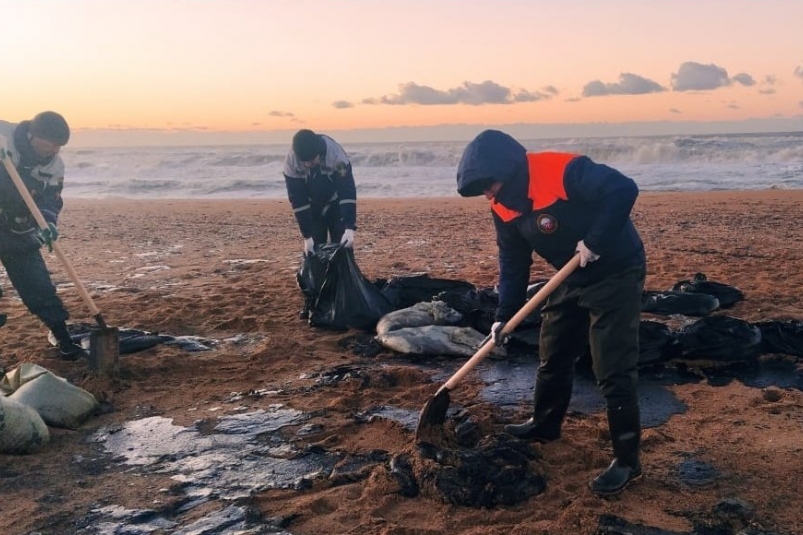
pixel 51 126
pixel 307 145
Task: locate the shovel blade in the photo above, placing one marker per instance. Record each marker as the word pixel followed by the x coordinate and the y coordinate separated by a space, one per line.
pixel 104 350
pixel 432 417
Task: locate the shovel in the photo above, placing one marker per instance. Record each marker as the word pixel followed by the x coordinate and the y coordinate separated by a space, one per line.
pixel 104 349
pixel 433 414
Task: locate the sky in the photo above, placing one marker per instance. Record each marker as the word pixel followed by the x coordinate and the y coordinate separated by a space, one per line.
pixel 207 71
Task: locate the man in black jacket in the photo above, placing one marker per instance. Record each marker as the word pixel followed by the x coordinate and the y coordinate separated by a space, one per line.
pixel 559 205
pixel 33 148
pixel 322 193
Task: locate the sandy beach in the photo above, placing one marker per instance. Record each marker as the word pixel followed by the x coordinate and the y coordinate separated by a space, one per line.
pixel 221 269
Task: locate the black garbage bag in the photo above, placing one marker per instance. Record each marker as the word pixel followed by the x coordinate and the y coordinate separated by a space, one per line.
pixel 467 301
pixel 477 305
pixel 311 275
pixel 721 338
pixel 336 292
pixel 657 342
pixel 406 291
pixel 674 302
pixel 782 336
pixel 726 294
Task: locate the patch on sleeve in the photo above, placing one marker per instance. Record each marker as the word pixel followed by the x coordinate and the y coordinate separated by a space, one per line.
pixel 547 224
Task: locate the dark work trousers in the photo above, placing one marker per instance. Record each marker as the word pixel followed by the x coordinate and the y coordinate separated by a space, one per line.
pixel 327 221
pixel 28 273
pixel 603 317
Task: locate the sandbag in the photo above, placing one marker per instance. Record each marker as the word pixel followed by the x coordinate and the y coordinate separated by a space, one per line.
pixel 337 294
pixel 726 294
pixel 436 340
pixel 56 401
pixel 27 371
pixel 59 403
pixel 722 338
pixel 419 315
pixel 22 430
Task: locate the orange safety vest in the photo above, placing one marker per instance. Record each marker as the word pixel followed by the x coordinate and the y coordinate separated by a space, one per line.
pixel 546 182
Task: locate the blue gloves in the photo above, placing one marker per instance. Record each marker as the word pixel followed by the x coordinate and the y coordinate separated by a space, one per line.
pixel 48 235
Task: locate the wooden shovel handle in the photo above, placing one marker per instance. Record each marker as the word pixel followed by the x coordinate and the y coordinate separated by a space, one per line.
pixel 40 220
pixel 528 308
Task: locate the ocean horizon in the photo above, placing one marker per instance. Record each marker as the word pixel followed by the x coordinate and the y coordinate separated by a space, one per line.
pixel 427 169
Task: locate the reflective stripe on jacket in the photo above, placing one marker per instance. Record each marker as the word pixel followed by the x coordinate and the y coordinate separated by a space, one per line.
pixel 310 189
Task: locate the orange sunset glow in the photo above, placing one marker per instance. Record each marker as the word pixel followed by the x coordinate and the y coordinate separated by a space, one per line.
pixel 276 66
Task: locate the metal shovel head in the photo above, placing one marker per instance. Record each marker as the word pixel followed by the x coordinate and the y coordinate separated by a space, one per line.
pixel 432 417
pixel 104 350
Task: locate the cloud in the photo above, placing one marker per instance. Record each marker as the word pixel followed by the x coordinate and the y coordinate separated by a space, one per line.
pixel 629 84
pixel 744 79
pixel 276 113
pixel 674 110
pixel 769 80
pixel 692 76
pixel 473 94
pixel 342 104
pixel 799 72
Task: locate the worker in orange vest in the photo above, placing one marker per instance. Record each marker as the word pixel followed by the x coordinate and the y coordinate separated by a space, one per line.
pixel 559 205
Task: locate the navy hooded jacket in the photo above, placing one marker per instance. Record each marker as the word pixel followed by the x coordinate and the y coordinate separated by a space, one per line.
pixel 596 209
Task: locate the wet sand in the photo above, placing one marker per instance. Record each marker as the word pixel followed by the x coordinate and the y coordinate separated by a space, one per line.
pixel 219 269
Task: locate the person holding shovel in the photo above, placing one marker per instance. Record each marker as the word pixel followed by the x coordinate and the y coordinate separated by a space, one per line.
pixel 33 148
pixel 321 190
pixel 560 205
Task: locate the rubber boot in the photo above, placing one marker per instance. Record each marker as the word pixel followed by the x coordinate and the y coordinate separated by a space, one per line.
pixel 625 428
pixel 68 350
pixel 549 407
